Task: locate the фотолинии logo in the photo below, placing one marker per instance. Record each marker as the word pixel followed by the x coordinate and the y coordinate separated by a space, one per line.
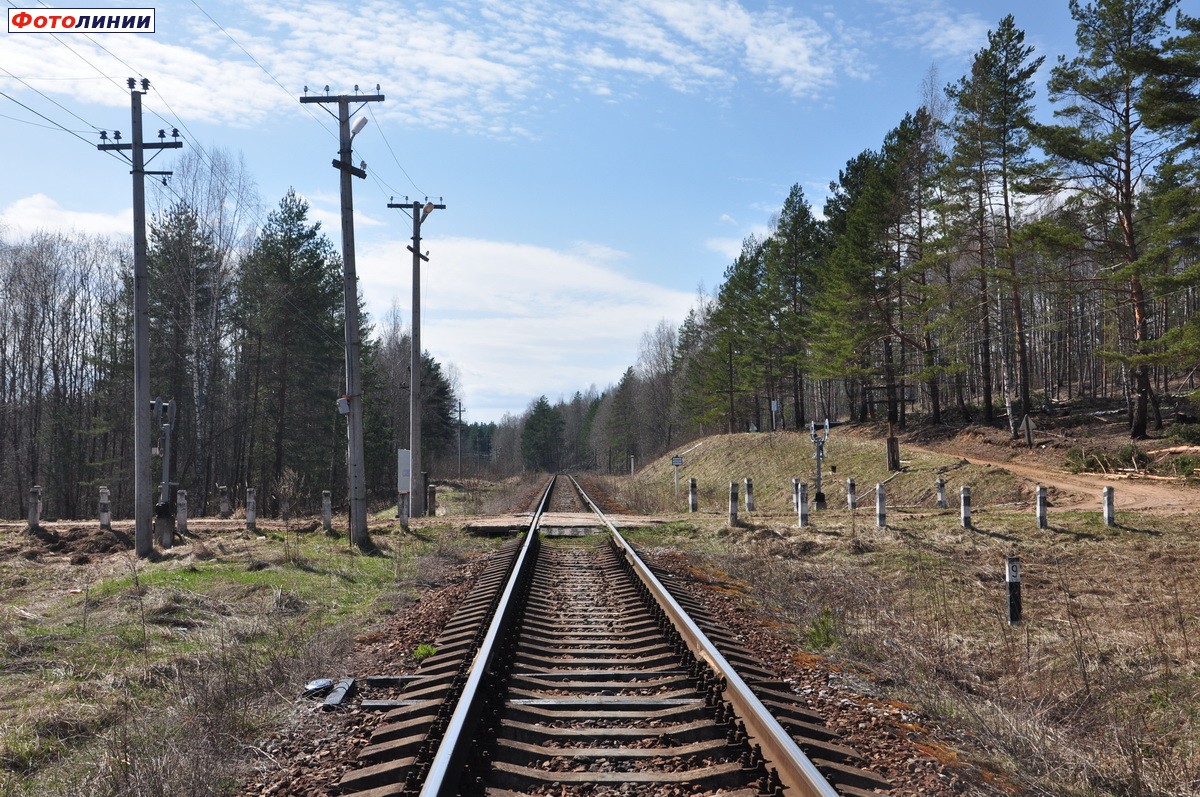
pixel 81 20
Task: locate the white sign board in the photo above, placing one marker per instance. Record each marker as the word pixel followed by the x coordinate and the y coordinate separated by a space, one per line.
pixel 403 471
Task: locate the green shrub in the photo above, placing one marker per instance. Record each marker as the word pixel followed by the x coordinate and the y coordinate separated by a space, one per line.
pixel 822 632
pixel 1186 433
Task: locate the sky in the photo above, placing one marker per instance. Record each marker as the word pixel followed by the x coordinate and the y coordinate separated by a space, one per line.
pixel 601 162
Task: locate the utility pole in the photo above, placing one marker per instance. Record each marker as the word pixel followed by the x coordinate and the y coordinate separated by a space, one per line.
pixel 458 429
pixel 419 214
pixel 143 544
pixel 355 456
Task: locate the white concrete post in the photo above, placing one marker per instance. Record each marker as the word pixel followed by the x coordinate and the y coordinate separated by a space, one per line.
pixel 251 510
pixel 35 506
pixel 105 509
pixel 851 495
pixel 803 500
pixel 226 511
pixel 181 511
pixel 693 498
pixel 965 500
pixel 941 494
pixel 733 503
pixel 1110 510
pixel 881 506
pixel 795 494
pixel 749 494
pixel 1041 507
pixel 326 511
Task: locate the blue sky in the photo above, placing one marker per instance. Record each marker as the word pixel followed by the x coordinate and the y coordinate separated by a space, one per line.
pixel 600 161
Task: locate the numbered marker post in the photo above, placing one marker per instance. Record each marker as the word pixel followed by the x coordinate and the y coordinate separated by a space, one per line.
pixel 1012 579
pixel 749 494
pixel 881 506
pixel 693 498
pixel 1110 512
pixel 733 503
pixel 965 501
pixel 1041 507
pixel 803 499
pixel 851 495
pixel 941 494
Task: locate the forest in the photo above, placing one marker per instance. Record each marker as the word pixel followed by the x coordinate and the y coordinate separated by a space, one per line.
pixel 978 266
pixel 247 339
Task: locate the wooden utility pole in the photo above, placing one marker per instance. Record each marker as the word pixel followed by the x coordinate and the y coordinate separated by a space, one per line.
pixel 143 543
pixel 355 456
pixel 419 214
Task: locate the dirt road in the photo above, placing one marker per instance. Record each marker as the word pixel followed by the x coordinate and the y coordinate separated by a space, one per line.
pixel 1131 492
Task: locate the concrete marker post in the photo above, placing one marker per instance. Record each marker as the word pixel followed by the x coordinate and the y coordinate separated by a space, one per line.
pixel 851 495
pixel 35 506
pixel 1110 511
pixel 326 511
pixel 1041 507
pixel 795 494
pixel 105 509
pixel 693 498
pixel 942 503
pixel 965 501
pixel 226 511
pixel 881 506
pixel 803 499
pixel 181 511
pixel 733 503
pixel 749 494
pixel 1012 580
pixel 251 510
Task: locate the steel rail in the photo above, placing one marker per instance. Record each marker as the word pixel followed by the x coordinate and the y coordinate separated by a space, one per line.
pixel 446 766
pixel 795 769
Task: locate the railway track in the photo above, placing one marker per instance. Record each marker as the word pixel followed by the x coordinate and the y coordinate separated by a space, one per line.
pixel 572 669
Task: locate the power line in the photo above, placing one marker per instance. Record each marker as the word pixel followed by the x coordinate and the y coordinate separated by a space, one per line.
pixel 49 99
pixel 393 152
pixel 267 72
pixel 51 121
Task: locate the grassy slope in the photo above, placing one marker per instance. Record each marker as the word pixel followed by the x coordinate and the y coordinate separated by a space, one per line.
pixel 1095 693
pixel 773 460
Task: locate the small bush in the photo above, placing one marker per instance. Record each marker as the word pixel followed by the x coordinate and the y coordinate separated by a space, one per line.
pixel 423 651
pixel 1186 433
pixel 822 632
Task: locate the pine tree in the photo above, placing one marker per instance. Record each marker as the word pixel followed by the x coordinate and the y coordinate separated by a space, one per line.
pixel 290 352
pixel 1105 151
pixel 541 439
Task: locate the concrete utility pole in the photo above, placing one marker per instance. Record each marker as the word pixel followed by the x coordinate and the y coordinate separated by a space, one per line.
pixel 419 214
pixel 143 543
pixel 458 431
pixel 355 456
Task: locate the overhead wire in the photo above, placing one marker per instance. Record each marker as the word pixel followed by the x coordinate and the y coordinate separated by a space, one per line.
pixel 54 123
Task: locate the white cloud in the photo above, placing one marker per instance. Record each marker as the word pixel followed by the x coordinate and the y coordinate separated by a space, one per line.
pixel 520 320
pixel 457 64
pixel 728 247
pixel 40 212
pixel 941 30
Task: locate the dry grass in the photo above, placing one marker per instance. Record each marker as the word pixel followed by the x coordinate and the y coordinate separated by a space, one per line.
pixel 1096 692
pixel 148 679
